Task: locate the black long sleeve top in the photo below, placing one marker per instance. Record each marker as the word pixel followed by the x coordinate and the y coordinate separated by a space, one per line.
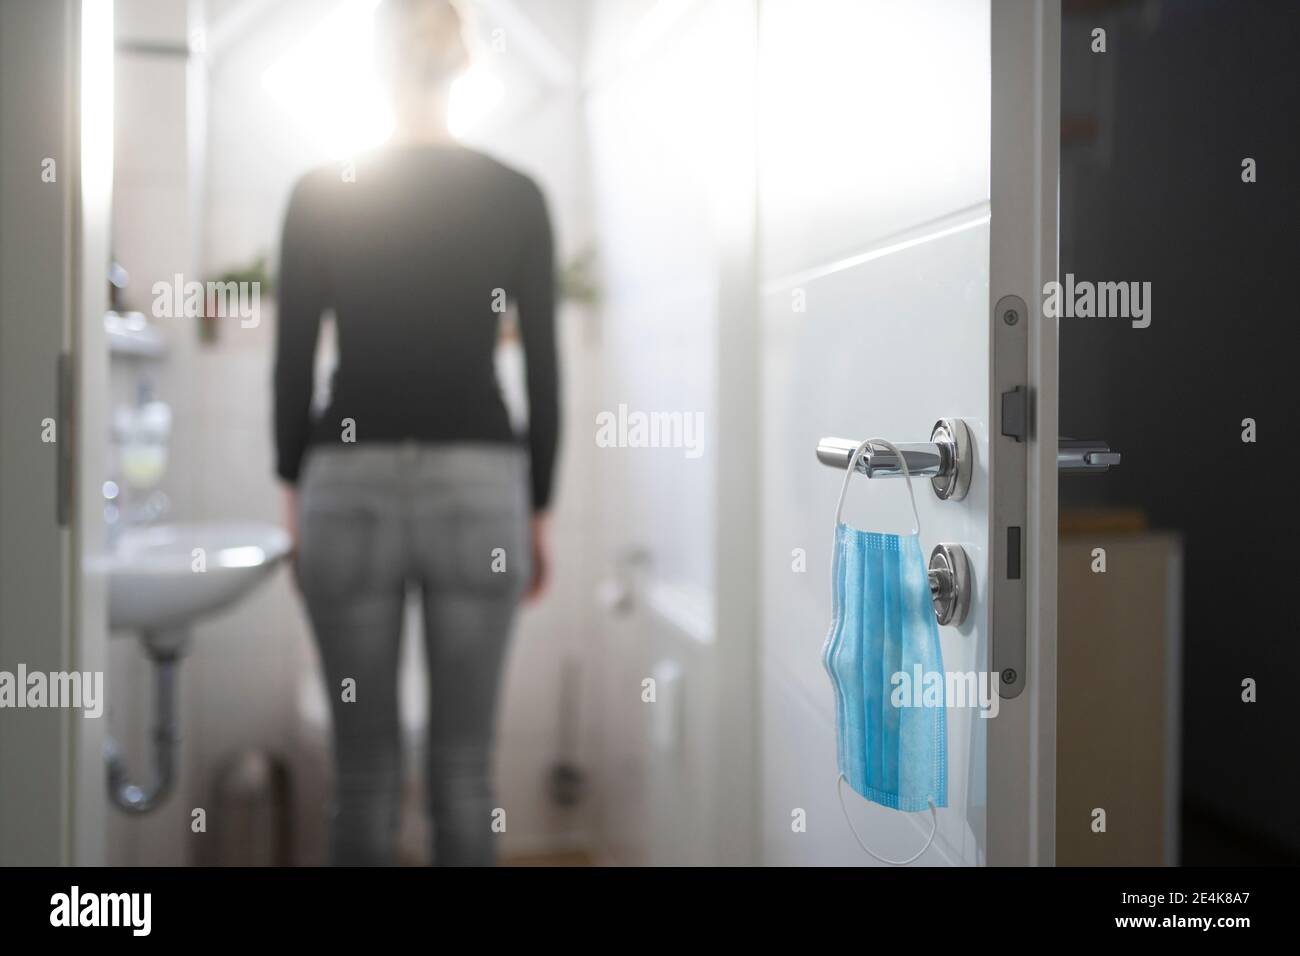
pixel 416 254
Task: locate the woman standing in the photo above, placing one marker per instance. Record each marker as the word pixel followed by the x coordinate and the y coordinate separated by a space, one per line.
pixel 413 475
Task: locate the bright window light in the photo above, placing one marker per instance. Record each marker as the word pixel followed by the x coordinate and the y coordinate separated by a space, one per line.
pixel 473 98
pixel 328 83
pixel 97 101
pixel 246 557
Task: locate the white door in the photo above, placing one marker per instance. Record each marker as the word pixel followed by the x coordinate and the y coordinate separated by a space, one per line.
pixel 907 203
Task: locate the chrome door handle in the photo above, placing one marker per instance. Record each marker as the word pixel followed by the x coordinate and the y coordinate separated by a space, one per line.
pixel 946 459
pixel 1077 456
pixel 924 459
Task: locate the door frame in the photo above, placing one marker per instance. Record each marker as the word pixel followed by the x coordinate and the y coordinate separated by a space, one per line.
pixel 1024 164
pixel 37 300
pixel 54 253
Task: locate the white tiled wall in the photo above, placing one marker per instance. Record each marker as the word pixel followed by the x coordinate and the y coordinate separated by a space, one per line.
pixel 151 195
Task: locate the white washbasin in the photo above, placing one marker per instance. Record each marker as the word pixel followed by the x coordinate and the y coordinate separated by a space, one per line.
pixel 152 581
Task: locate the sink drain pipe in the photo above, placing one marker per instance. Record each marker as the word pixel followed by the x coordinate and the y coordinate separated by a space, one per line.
pixel 133 798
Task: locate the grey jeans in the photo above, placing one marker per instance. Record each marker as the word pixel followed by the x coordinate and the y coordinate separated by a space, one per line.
pixel 451 520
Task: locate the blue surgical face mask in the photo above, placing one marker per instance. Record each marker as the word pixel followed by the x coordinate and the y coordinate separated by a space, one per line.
pixel 884 625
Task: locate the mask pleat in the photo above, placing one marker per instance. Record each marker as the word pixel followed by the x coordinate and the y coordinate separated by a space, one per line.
pixel 883 625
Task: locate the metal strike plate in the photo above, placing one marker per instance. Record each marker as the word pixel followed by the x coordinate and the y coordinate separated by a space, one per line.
pixel 1009 442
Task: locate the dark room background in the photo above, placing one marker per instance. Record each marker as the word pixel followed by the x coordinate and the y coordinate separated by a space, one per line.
pixel 1154 133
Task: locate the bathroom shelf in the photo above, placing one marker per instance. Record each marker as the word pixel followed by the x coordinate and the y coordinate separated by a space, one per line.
pixel 131 334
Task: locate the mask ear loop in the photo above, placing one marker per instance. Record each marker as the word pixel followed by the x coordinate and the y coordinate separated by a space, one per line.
pixel 853 467
pixel 916 529
pixel 934 828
